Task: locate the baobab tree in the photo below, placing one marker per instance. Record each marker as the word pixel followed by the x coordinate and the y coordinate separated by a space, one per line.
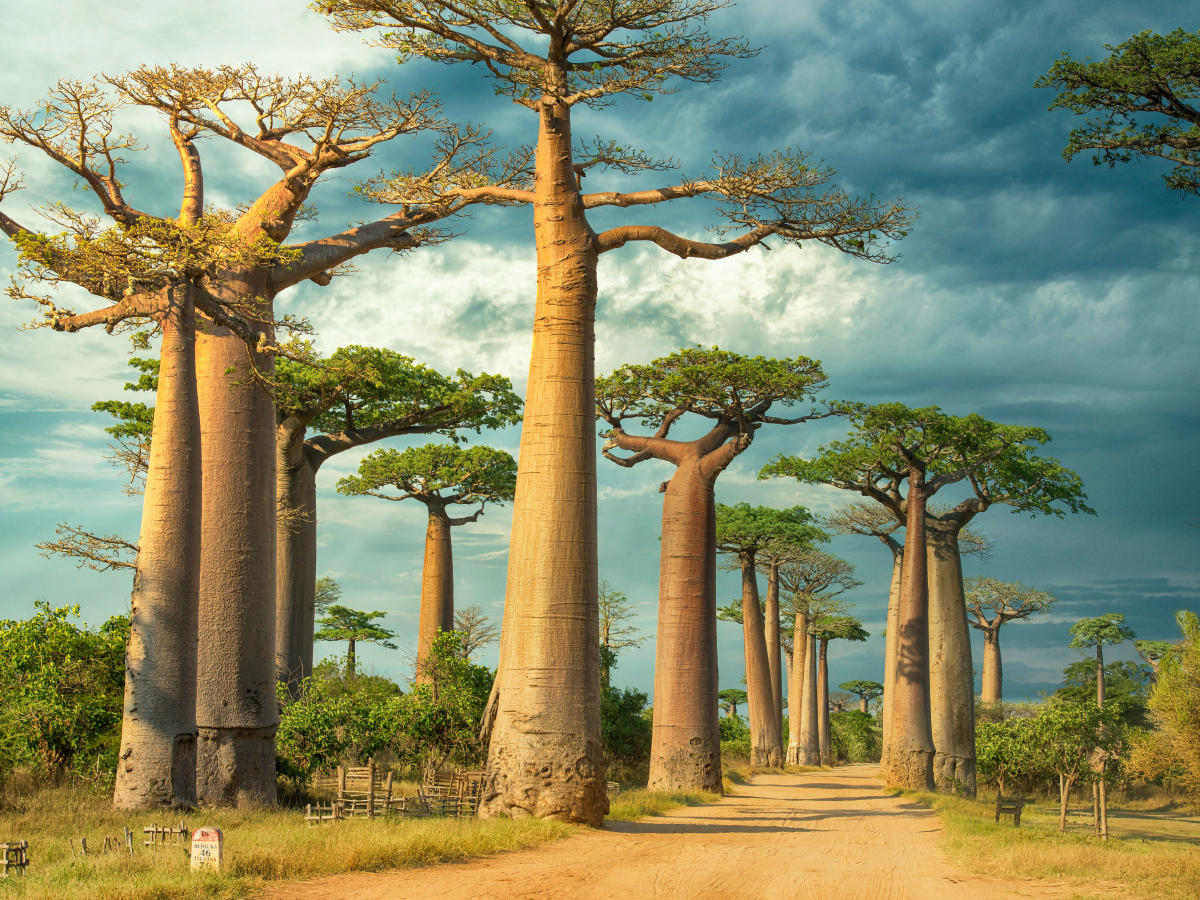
pixel 340 623
pixel 306 128
pixel 811 580
pixel 925 450
pixel 744 531
pixel 866 691
pixel 995 603
pixel 550 57
pixel 738 395
pixel 826 629
pixel 439 476
pixel 733 697
pixel 357 396
pixel 866 517
pixel 615 609
pixel 1148 75
pixel 1097 631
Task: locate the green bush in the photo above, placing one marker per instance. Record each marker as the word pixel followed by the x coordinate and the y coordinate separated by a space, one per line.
pixel 61 694
pixel 626 731
pixel 855 737
pixel 735 738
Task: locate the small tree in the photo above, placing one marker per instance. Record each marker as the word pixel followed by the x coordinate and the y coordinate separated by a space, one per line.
pixel 995 603
pixel 326 594
pixel 1097 631
pixel 744 531
pixel 439 476
pixel 476 628
pixel 340 623
pixel 1145 93
pixel 733 697
pixel 1068 734
pixel 1152 654
pixel 1007 752
pixel 866 691
pixel 615 609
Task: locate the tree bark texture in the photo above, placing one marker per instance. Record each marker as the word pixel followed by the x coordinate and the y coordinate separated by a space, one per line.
pixel 993 671
pixel 296 559
pixel 685 751
pixel 545 757
pixel 157 762
pixel 810 745
pixel 774 651
pixel 765 742
pixel 862 704
pixel 826 747
pixel 910 756
pixel 951 674
pixel 795 755
pixel 437 586
pixel 236 709
pixel 890 652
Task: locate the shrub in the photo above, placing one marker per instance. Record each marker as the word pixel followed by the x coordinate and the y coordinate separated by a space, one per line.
pixel 855 737
pixel 626 732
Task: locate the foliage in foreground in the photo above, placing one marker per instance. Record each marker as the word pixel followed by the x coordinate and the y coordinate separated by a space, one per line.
pixel 61 693
pixel 855 736
pixel 638 803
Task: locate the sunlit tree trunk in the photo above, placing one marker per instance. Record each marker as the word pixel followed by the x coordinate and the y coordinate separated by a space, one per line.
pixel 545 757
pixel 993 671
pixel 157 760
pixel 774 653
pixel 437 585
pixel 951 674
pixel 910 756
pixel 891 645
pixel 862 704
pixel 765 742
pixel 826 748
pixel 810 745
pixel 296 557
pixel 685 752
pixel 795 755
pixel 236 709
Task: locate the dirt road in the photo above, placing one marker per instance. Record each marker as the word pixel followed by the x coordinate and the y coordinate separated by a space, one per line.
pixel 822 836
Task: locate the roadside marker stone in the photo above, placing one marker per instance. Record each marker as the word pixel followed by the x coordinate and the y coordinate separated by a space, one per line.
pixel 207 844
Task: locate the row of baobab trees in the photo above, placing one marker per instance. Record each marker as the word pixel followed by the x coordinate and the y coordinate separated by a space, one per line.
pixel 208 572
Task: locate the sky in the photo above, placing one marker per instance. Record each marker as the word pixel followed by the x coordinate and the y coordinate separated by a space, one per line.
pixel 1030 291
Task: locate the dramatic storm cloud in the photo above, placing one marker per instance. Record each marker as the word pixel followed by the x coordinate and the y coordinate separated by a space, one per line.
pixel 1030 291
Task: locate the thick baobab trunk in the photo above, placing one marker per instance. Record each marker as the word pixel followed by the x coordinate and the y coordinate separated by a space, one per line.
pixel 157 761
pixel 951 674
pixel 810 745
pixel 774 651
pixel 891 644
pixel 862 703
pixel 765 743
pixel 685 750
pixel 823 705
pixel 437 586
pixel 296 558
pixel 236 709
pixel 545 757
pixel 795 755
pixel 910 756
pixel 993 672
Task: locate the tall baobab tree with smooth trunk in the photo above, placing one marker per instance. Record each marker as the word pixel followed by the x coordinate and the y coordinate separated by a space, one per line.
pixel 866 517
pixel 550 57
pixel 738 395
pixel 744 531
pixel 826 629
pixel 306 128
pixel 615 610
pixel 1097 631
pixel 358 396
pixel 994 603
pixel 340 623
pixel 439 476
pixel 924 450
pixel 866 691
pixel 811 581
pixel 1148 76
pixel 154 271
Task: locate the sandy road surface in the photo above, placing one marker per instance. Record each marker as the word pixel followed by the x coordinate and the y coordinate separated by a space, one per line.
pixel 825 836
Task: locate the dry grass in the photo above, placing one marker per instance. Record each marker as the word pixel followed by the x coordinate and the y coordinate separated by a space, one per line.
pixel 260 846
pixel 640 802
pixel 1152 853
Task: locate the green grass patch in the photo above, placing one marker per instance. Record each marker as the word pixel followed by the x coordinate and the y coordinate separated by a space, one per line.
pixel 641 802
pixel 1165 867
pixel 260 846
